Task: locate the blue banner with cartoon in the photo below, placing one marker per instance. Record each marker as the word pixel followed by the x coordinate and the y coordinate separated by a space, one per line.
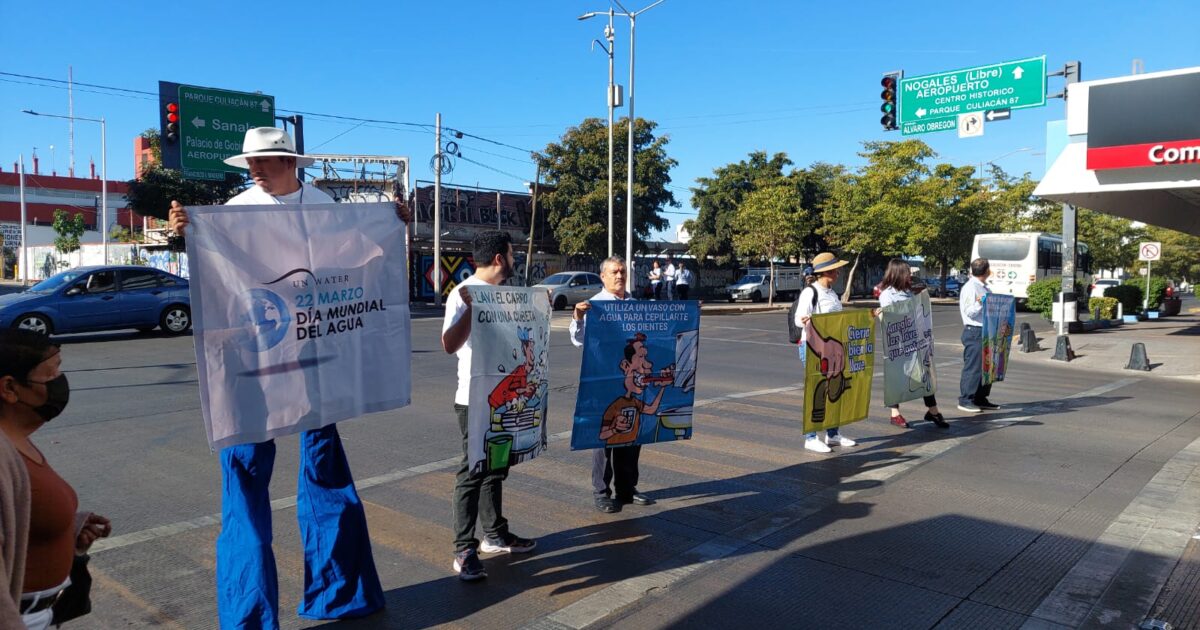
pixel 638 380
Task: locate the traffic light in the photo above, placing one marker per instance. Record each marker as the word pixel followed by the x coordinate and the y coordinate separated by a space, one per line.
pixel 891 86
pixel 172 126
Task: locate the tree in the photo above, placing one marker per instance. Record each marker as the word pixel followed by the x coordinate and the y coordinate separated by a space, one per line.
pixel 718 198
pixel 150 195
pixel 576 168
pixel 1180 254
pixel 869 210
pixel 769 224
pixel 949 209
pixel 68 231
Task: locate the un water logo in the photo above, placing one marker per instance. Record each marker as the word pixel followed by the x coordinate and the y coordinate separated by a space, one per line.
pixel 266 316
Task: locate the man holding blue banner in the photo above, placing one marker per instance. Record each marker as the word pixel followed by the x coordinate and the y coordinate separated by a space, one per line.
pixel 618 466
pixel 973 393
pixel 340 580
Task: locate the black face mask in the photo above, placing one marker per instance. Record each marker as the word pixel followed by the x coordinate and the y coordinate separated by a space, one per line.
pixel 58 394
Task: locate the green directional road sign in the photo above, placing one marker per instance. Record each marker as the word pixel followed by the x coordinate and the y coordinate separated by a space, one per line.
pixel 212 126
pixel 933 102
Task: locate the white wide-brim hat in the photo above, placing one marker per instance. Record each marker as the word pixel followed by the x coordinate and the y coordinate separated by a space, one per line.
pixel 266 142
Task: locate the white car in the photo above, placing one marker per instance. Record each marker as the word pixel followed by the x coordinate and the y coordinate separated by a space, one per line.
pixel 570 287
pixel 1102 284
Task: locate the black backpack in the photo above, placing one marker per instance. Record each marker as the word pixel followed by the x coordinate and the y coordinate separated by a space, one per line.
pixel 794 331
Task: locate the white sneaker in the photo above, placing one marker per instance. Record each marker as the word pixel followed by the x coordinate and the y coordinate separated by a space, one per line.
pixel 815 444
pixel 839 440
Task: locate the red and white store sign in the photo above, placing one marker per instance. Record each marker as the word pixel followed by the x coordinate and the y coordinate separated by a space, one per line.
pixel 1144 155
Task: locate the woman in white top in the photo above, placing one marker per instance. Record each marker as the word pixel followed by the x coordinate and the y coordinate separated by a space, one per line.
pixel 825 268
pixel 655 281
pixel 897 287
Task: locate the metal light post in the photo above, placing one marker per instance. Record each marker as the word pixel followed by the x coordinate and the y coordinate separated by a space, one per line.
pixel 629 165
pixel 103 223
pixel 613 101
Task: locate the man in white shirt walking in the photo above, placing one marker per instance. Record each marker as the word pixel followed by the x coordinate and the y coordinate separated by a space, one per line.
pixel 972 393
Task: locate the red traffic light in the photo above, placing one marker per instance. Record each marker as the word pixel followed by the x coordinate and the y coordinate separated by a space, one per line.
pixel 172 107
pixel 888 82
pixel 173 117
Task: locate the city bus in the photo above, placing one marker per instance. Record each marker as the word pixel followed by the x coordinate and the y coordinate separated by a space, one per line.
pixel 1019 259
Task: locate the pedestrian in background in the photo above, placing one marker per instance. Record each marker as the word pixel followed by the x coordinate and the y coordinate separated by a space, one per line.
pixel 683 281
pixel 34 391
pixel 618 466
pixel 818 298
pixel 897 287
pixel 477 497
pixel 972 393
pixel 655 280
pixel 669 279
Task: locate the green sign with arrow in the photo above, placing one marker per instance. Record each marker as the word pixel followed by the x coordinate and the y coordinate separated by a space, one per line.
pixel 933 102
pixel 212 126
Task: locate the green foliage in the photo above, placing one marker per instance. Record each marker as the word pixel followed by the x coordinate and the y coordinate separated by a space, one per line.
pixel 576 168
pixel 769 224
pixel 1158 289
pixel 1128 295
pixel 68 230
pixel 951 207
pixel 1107 306
pixel 1044 293
pixel 1041 295
pixel 717 199
pixel 1180 255
pixel 120 234
pixel 151 194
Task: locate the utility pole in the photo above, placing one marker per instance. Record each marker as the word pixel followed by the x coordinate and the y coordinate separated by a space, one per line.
pixel 437 213
pixel 1070 74
pixel 24 252
pixel 533 225
pixel 629 169
pixel 71 120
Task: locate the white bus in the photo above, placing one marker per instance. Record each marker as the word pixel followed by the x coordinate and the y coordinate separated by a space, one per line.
pixel 1022 258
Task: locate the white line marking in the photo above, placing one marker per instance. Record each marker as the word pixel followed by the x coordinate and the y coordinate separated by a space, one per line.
pixel 619 595
pixel 163 531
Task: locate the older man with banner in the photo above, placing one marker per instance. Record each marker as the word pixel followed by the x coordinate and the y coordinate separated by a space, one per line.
pixel 637 382
pixel 301 311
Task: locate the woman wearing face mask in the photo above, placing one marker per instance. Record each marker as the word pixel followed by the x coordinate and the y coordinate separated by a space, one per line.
pixel 34 391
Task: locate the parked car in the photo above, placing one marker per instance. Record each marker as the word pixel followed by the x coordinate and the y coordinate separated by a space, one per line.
pixel 570 287
pixel 1102 284
pixel 953 286
pixel 88 299
pixel 754 284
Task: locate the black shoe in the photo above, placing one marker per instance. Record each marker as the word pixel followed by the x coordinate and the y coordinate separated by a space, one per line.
pixel 511 543
pixel 638 498
pixel 987 405
pixel 468 566
pixel 937 419
pixel 607 505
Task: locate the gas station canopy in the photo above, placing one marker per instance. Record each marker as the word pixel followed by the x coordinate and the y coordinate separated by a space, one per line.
pixel 1133 149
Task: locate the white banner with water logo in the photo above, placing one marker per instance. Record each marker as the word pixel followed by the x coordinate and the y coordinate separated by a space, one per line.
pixel 301 316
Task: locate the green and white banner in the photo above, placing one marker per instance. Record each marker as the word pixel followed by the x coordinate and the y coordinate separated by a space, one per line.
pixel 907 340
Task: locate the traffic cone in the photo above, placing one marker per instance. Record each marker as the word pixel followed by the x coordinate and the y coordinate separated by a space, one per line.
pixel 1062 349
pixel 1138 359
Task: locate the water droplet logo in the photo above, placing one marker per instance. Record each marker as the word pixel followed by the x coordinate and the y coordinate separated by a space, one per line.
pixel 266 315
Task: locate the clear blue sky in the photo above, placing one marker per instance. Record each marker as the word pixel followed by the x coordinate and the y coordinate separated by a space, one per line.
pixel 721 78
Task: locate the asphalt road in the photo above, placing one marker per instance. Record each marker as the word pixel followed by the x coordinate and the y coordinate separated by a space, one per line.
pixel 1070 451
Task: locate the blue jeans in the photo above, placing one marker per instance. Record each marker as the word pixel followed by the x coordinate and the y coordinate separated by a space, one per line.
pixel 804 363
pixel 340 580
pixel 970 386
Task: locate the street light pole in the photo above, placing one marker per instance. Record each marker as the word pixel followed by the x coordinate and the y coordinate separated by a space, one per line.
pixel 102 224
pixel 629 165
pixel 612 102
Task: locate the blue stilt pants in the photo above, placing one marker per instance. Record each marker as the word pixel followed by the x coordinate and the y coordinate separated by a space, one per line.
pixel 340 580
